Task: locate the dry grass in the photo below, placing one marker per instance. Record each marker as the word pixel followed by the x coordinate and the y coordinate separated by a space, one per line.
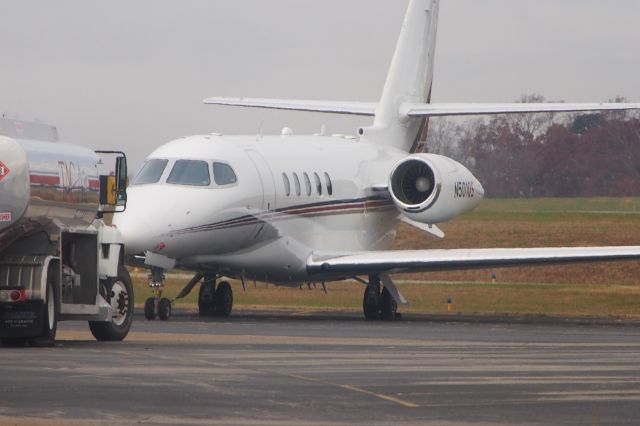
pixel 468 298
pixel 501 229
pixel 601 289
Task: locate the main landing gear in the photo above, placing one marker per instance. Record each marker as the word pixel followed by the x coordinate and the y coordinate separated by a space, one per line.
pixel 215 301
pixel 212 300
pixel 378 303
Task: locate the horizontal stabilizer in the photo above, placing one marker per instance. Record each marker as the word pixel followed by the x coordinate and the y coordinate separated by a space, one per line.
pixel 443 260
pixel 352 108
pixel 443 110
pixel 421 109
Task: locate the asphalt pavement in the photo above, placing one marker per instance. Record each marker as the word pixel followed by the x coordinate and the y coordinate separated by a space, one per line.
pixel 265 368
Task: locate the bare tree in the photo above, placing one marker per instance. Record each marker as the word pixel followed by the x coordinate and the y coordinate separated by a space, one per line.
pixel 443 137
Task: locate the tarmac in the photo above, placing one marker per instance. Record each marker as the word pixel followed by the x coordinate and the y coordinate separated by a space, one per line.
pixel 270 368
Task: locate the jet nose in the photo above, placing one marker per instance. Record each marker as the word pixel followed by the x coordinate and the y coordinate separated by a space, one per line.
pixel 134 225
pixel 131 231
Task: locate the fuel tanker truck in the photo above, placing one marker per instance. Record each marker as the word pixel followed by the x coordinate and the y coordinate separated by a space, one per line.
pixel 59 260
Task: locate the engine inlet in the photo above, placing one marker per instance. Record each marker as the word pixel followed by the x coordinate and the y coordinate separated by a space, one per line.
pixel 413 182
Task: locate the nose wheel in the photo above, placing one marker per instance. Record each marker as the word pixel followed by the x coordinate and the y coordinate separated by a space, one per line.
pixel 150 308
pixel 164 309
pixel 157 307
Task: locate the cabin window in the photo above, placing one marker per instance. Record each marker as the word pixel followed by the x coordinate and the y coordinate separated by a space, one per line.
pixel 296 181
pixel 223 174
pixel 327 181
pixel 318 183
pixel 287 184
pixel 190 172
pixel 307 183
pixel 150 172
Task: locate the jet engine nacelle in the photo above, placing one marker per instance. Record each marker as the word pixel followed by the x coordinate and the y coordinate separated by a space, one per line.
pixel 431 189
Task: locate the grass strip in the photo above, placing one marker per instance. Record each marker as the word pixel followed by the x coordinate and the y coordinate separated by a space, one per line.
pixel 591 300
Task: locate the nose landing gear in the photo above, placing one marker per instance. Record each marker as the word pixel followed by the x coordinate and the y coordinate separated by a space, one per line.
pixel 158 305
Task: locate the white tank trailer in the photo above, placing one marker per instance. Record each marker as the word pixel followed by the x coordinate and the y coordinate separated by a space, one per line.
pixel 59 260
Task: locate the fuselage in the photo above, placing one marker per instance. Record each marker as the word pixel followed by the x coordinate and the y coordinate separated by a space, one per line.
pixel 286 198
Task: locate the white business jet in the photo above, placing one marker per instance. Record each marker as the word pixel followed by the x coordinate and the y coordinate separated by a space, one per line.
pixel 298 209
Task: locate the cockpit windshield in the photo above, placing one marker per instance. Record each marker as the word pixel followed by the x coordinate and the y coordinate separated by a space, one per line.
pixel 223 174
pixel 190 172
pixel 151 172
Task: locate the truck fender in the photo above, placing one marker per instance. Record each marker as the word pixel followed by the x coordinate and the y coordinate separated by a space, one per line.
pixel 110 253
pixel 109 260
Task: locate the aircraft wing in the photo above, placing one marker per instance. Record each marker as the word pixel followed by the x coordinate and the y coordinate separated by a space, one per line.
pixel 399 261
pixel 420 109
pixel 352 108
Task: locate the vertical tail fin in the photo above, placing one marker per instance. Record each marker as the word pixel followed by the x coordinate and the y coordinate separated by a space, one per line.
pixel 410 78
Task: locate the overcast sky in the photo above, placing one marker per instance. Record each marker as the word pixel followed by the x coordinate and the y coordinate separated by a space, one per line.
pixel 132 74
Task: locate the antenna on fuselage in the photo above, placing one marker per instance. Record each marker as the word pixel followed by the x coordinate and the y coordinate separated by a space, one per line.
pixel 260 130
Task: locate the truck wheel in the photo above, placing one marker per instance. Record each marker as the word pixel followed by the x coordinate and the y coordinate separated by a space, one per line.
pixel 120 292
pixel 49 318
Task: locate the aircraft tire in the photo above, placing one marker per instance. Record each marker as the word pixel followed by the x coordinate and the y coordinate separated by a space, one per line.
pixel 224 299
pixel 50 316
pixel 388 305
pixel 150 309
pixel 371 303
pixel 120 295
pixel 207 299
pixel 164 309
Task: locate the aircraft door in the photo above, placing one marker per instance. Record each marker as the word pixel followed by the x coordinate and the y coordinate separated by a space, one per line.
pixel 266 180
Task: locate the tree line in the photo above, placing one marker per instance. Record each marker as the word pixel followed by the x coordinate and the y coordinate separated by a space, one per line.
pixel 546 155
